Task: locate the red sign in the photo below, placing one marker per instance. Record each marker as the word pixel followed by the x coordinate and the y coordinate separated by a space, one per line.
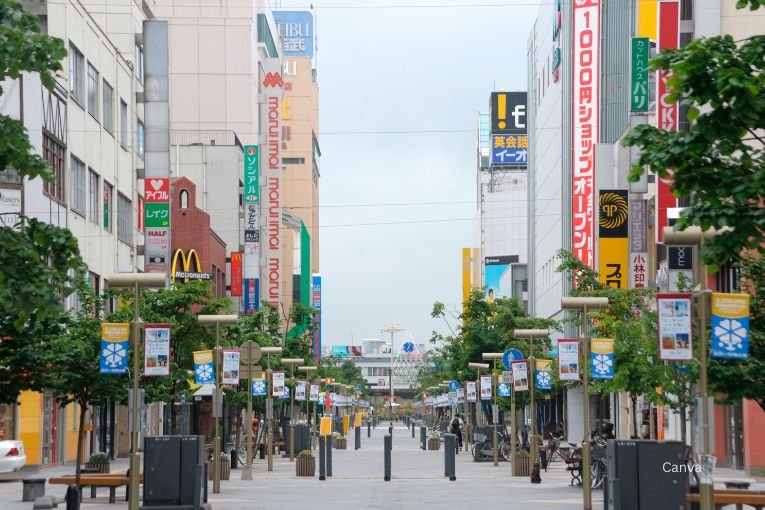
pixel 666 113
pixel 140 209
pixel 156 189
pixel 273 80
pixel 586 70
pixel 236 273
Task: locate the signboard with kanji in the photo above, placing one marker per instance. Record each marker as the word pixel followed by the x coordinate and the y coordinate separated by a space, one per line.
pixel 509 149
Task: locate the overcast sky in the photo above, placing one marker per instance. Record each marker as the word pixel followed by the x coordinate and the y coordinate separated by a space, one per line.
pixel 411 70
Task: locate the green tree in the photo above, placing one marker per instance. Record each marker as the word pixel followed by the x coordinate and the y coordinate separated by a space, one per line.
pixel 75 355
pixel 38 262
pixel 720 160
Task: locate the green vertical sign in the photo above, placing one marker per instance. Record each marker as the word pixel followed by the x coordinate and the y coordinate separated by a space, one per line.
pixel 251 186
pixel 639 81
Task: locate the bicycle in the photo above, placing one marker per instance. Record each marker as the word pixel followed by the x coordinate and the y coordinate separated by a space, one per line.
pixel 483 448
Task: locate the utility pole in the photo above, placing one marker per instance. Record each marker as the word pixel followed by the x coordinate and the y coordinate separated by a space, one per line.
pixel 392 329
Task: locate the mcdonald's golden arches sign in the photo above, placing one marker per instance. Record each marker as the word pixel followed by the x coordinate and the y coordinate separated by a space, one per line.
pixel 184 272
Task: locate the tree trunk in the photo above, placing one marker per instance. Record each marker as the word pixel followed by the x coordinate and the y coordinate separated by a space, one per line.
pixel 683 420
pixel 80 441
pixel 633 398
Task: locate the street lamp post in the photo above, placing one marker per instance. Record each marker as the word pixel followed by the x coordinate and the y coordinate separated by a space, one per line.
pixel 136 281
pixel 292 362
pixel 270 351
pixel 217 394
pixel 694 236
pixel 531 334
pixel 585 304
pixel 308 370
pixel 477 367
pixel 496 356
pixel 392 329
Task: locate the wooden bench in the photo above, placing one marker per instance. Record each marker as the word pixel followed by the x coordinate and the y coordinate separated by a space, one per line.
pixel 94 481
pixel 739 498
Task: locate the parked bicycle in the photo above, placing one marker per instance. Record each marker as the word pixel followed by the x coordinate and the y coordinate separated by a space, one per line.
pixel 483 448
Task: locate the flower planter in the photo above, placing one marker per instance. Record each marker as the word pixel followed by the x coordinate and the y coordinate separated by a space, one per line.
pixel 521 465
pixel 305 466
pixel 100 467
pixel 434 443
pixel 340 444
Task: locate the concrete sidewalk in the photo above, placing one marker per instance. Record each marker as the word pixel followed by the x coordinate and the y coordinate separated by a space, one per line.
pixel 357 483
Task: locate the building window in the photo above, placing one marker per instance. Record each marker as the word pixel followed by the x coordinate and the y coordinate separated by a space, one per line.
pixel 139 143
pixel 76 71
pixel 265 37
pixel 94 282
pixel 108 201
pixel 78 185
pixel 124 219
pixel 123 124
pixel 93 192
pixel 184 199
pixel 139 63
pixel 108 107
pixel 92 91
pixel 55 154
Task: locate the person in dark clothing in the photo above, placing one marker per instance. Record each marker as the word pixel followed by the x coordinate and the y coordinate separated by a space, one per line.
pixel 456 429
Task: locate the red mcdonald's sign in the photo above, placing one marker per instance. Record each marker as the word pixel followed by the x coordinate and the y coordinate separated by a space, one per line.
pixel 236 273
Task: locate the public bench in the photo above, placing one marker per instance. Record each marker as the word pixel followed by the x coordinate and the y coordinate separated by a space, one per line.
pixel 574 466
pixel 755 499
pixel 94 481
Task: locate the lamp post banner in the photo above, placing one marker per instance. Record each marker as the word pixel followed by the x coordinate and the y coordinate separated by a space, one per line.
pixel 568 359
pixel 156 352
pixel 279 389
pixel 602 358
pixel 314 395
pixel 520 376
pixel 204 369
pixel 300 391
pixel 486 389
pixel 675 336
pixel 730 325
pixel 543 379
pixel 470 385
pixel 114 348
pixel 231 367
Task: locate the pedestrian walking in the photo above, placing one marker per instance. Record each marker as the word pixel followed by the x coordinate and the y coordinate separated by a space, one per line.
pixel 456 429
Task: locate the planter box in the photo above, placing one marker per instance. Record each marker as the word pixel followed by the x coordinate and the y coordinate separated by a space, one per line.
pixel 340 444
pixel 305 466
pixel 434 443
pixel 521 465
pixel 102 467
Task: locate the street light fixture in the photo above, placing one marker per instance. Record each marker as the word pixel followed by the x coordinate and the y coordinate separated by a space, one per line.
pixel 136 281
pixel 392 329
pixel 531 334
pixel 308 370
pixel 217 395
pixel 270 351
pixel 585 304
pixel 496 356
pixel 694 236
pixel 292 362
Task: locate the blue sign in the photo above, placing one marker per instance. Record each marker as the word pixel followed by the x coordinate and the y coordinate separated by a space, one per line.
pixel 286 394
pixel 602 358
pixel 259 388
pixel 316 305
pixel 509 356
pixel 408 347
pixel 509 149
pixel 251 291
pixel 454 385
pixel 543 380
pixel 503 389
pixel 730 326
pixel 113 357
pixel 296 31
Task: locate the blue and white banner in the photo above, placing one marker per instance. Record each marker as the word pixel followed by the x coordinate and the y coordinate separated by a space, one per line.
pixel 286 395
pixel 251 293
pixel 602 358
pixel 730 325
pixel 543 380
pixel 204 369
pixel 503 390
pixel 509 149
pixel 114 348
pixel 259 388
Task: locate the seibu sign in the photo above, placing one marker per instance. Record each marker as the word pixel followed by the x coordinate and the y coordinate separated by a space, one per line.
pixel 272 87
pixel 586 71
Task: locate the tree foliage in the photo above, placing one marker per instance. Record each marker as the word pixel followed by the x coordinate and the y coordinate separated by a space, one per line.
pixel 720 160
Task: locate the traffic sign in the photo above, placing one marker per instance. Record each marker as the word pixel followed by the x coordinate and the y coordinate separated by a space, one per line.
pixel 251 371
pixel 453 385
pixel 509 356
pixel 250 352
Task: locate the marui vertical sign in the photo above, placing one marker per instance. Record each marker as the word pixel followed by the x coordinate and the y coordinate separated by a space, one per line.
pixel 613 227
pixel 272 87
pixel 586 70
pixel 251 258
pixel 316 305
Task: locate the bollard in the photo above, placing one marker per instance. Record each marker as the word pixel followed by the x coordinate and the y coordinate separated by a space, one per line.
pixel 234 458
pixel 369 428
pixel 424 437
pixel 328 446
pixel 388 449
pixel 450 447
pixel 357 433
pixel 72 496
pixel 412 430
pixel 322 458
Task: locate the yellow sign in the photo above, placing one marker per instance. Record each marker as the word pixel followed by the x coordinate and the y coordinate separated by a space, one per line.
pixel 346 423
pixel 544 365
pixel 602 346
pixel 186 259
pixel 357 420
pixel 466 276
pixel 202 357
pixel 325 427
pixel 613 262
pixel 647 18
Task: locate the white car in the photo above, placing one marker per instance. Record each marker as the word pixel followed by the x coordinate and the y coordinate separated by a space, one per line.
pixel 12 456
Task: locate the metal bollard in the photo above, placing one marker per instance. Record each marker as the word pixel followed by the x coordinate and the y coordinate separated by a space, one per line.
pixel 423 437
pixel 412 430
pixel 388 448
pixel 357 433
pixel 322 458
pixel 369 428
pixel 328 446
pixel 234 459
pixel 450 447
pixel 72 497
